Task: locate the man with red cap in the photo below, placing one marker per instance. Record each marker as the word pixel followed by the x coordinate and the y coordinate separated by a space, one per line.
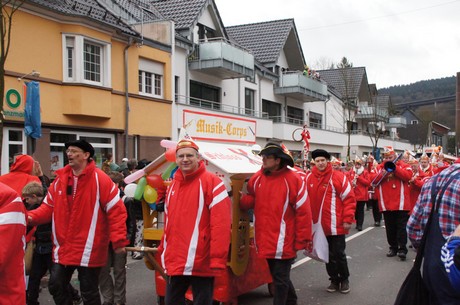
pixel 282 217
pixel 87 213
pixel 332 197
pixel 425 168
pixel 359 178
pixel 196 239
pixel 394 200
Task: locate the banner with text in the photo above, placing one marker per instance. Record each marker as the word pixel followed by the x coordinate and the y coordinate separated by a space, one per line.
pixel 207 126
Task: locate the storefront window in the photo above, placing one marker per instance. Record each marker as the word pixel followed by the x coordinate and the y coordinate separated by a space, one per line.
pixel 13 144
pixel 102 143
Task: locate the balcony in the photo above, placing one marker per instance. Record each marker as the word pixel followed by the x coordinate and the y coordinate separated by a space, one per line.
pixel 396 122
pixel 301 87
pixel 372 113
pixel 222 59
pixel 217 106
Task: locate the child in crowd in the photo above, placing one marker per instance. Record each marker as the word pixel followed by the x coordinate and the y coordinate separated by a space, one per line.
pixel 113 288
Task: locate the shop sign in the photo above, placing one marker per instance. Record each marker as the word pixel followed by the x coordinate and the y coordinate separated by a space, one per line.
pixel 206 126
pixel 13 104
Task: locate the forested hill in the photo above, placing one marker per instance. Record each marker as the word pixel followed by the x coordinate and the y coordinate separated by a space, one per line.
pixel 422 90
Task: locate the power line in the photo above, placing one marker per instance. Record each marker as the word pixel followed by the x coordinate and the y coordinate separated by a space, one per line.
pixel 377 17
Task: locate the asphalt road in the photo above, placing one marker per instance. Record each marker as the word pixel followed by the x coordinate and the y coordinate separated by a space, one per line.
pixel 375 278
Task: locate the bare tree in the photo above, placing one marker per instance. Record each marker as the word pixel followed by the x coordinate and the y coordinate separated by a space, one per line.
pixel 375 126
pixel 323 63
pixel 9 8
pixel 350 103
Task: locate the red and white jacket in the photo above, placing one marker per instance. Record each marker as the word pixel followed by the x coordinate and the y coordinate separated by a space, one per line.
pixel 361 189
pixel 393 192
pixel 427 172
pixel 83 229
pixel 197 229
pixel 12 232
pixel 282 214
pixel 339 199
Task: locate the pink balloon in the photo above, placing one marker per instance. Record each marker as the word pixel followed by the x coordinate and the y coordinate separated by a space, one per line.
pixel 168 144
pixel 135 176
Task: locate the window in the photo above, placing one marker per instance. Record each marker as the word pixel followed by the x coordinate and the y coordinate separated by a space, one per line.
pixel 176 88
pixel 204 95
pixel 102 143
pixel 86 60
pixel 295 115
pixel 273 109
pixel 151 78
pixel 14 143
pixel 92 61
pixel 315 120
pixel 249 101
pixel 205 33
pixel 414 122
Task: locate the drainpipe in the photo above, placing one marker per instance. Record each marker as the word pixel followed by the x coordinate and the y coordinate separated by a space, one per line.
pixel 127 110
pixel 239 98
pixel 325 112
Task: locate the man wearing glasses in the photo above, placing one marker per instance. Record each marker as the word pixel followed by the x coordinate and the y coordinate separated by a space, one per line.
pixel 87 213
pixel 195 243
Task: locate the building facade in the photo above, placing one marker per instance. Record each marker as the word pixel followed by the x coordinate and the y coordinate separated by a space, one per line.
pixel 99 80
pixel 126 74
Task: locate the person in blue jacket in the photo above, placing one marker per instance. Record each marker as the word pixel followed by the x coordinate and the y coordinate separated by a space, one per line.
pixel 450 255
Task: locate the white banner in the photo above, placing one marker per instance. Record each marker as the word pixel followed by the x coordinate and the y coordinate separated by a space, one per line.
pixel 206 126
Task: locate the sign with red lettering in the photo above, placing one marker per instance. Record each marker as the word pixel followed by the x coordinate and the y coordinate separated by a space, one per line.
pixel 207 126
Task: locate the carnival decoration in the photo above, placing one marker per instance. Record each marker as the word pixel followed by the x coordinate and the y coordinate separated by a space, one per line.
pixel 303 135
pixel 144 184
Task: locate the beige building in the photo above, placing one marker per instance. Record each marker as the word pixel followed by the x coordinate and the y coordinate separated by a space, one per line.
pixel 99 80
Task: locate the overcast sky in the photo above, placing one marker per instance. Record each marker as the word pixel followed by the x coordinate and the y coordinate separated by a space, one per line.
pixel 399 42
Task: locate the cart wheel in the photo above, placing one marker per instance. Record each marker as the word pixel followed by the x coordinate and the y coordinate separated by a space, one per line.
pixel 160 300
pixel 271 289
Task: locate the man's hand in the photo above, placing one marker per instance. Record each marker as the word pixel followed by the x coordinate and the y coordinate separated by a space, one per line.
pixel 457 231
pixel 119 250
pixel 347 226
pixel 37 169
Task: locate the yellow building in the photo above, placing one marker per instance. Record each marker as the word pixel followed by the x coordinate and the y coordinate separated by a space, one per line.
pixel 100 80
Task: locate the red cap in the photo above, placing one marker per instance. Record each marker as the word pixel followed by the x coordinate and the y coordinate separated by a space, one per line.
pixel 186 143
pixel 388 151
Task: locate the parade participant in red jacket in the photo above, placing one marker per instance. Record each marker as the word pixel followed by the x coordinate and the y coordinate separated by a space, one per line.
pixel 425 168
pixel 394 201
pixel 87 213
pixel 416 182
pixel 196 239
pixel 360 182
pixel 21 173
pixel 282 217
pixel 12 231
pixel 332 190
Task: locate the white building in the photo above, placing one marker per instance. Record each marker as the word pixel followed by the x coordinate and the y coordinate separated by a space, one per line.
pixel 246 84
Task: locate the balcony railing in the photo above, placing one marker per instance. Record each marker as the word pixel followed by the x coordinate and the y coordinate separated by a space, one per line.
pixel 372 113
pixel 222 58
pixel 301 87
pixel 212 105
pixel 397 122
pixel 299 122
